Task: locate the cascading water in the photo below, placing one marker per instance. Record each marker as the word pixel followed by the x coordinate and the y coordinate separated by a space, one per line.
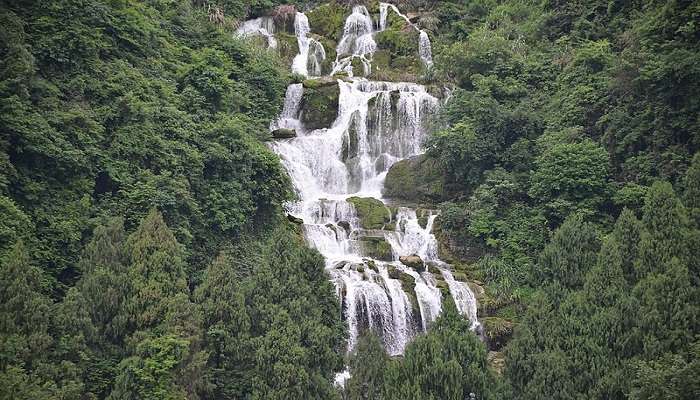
pixel 425 50
pixel 311 52
pixel 377 124
pixel 288 118
pixel 263 26
pixel 357 42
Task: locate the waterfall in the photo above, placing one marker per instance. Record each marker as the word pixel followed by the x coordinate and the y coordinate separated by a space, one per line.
pixel 263 26
pixel 311 52
pixel 289 118
pixel 424 47
pixel 377 124
pixel 357 43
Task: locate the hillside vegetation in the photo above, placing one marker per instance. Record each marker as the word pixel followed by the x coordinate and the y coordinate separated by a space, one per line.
pixel 145 251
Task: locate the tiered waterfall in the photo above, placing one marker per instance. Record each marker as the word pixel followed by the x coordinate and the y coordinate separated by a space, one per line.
pixel 377 124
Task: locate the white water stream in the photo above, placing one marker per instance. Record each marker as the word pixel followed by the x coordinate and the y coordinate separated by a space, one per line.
pixel 377 124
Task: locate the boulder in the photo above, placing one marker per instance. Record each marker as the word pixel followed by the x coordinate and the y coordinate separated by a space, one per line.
pixel 394 273
pixel 373 214
pixel 416 179
pixel 284 133
pixel 414 262
pixel 295 220
pixel 376 248
pixel 345 225
pixel 319 82
pixel 319 104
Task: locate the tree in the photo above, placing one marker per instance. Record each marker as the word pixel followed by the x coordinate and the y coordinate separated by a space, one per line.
pixel 569 255
pixel 666 231
pixel 272 321
pixel 156 271
pixel 626 236
pixel 449 362
pixel 367 365
pixel 570 177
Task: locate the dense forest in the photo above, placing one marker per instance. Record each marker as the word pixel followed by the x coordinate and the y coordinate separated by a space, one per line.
pixel 147 254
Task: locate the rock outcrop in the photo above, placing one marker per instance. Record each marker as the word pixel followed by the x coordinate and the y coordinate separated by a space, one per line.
pixel 414 262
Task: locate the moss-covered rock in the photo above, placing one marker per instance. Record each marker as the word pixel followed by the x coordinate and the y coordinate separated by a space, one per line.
pixel 284 133
pixel 497 331
pixel 376 247
pixel 358 68
pixel 394 273
pixel 381 60
pixel 408 285
pixel 372 213
pixel 444 288
pixel 459 276
pixel 287 46
pixel 415 179
pixel 433 269
pixel 295 220
pixel 328 19
pixel 414 262
pixel 319 104
pixel 371 265
pixel 318 83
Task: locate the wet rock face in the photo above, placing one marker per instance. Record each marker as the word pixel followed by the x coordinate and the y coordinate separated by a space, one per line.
pixel 377 248
pixel 284 133
pixel 295 220
pixel 372 213
pixel 414 262
pixel 415 179
pixel 319 105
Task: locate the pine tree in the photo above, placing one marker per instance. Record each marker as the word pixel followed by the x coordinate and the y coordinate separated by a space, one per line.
pixel 155 271
pixel 227 328
pixel 626 235
pixel 25 341
pixel 667 313
pixel 367 366
pixel 105 285
pixel 691 193
pixel 665 231
pixel 569 255
pixel 448 362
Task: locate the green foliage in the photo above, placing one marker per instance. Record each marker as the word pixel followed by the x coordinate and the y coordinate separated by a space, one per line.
pixel 148 375
pixel 570 178
pixel 328 20
pixel 368 364
pixel 636 324
pixel 448 362
pixel 112 109
pixel 131 155
pixel 272 323
pixel 567 258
